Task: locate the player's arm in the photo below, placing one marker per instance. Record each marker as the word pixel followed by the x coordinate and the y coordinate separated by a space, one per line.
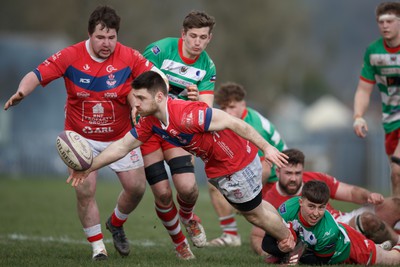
pixel 208 99
pixel 221 120
pixel 356 194
pixel 361 103
pixel 112 153
pixel 26 86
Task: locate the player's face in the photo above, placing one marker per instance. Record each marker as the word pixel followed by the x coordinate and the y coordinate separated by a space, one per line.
pixel 103 41
pixel 235 108
pixel 389 26
pixel 311 212
pixel 290 178
pixel 145 103
pixel 195 41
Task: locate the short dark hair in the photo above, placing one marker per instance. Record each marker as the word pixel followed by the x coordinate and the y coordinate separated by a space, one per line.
pixel 388 7
pixel 316 192
pixel 106 16
pixel 295 156
pixel 151 81
pixel 198 19
pixel 229 92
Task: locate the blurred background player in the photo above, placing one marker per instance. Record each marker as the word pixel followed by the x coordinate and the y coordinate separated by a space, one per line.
pixel 98 73
pixel 374 219
pixel 191 74
pixel 230 97
pixel 381 67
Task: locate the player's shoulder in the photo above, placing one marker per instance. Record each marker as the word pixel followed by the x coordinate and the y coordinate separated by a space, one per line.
pixel 375 45
pixel 320 176
pixel 163 45
pixel 74 51
pixel 127 54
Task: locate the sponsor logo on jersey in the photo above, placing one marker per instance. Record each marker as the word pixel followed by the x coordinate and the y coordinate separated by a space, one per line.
pixel 95 130
pixel 56 56
pixel 330 246
pixel 86 67
pixel 173 132
pixel 84 80
pixel 111 81
pixel 82 94
pixel 155 50
pixel 110 68
pixel 282 208
pixel 183 70
pixel 110 95
pixel 201 117
pixel 328 233
pixel 213 78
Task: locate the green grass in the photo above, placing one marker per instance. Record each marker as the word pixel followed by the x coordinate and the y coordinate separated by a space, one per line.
pixel 39 227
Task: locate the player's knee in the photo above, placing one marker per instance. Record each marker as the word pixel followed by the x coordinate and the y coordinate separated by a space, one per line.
pixel 182 164
pixel 164 198
pixel 156 173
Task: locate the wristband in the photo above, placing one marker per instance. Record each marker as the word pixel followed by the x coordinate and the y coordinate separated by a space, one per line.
pixel 359 121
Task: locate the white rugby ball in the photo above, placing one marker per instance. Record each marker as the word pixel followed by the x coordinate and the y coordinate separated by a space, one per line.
pixel 74 150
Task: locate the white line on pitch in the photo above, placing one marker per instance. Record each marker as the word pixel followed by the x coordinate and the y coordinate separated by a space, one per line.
pixel 66 239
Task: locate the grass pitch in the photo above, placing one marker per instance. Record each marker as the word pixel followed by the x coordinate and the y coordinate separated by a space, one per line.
pixel 39 226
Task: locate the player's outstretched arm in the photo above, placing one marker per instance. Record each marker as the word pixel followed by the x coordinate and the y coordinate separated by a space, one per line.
pixel 26 86
pixel 222 120
pixel 112 153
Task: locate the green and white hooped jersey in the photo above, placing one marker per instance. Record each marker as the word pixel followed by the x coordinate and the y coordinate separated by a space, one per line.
pixel 327 237
pixel 166 54
pixel 268 131
pixel 382 66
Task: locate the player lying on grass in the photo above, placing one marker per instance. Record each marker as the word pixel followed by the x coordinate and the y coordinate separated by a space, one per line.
pixel 325 240
pixel 375 219
pixel 227 145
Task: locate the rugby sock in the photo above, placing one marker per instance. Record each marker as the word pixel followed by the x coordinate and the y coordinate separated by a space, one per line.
pixel 93 233
pixel 118 218
pixel 170 219
pixel 228 224
pixel 185 210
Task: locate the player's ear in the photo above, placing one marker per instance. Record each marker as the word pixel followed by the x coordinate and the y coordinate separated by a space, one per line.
pixel 159 96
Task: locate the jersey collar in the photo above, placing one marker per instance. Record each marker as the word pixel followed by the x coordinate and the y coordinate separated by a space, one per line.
pixel 392 50
pixel 245 112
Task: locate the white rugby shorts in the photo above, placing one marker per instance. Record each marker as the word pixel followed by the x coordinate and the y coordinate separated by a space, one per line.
pixel 241 186
pixel 131 161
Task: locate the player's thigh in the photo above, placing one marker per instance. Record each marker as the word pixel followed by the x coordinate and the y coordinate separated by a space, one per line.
pixel 153 157
pixel 133 180
pixel 88 188
pixel 174 152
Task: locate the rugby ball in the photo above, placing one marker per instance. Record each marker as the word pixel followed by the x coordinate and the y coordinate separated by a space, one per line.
pixel 74 150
